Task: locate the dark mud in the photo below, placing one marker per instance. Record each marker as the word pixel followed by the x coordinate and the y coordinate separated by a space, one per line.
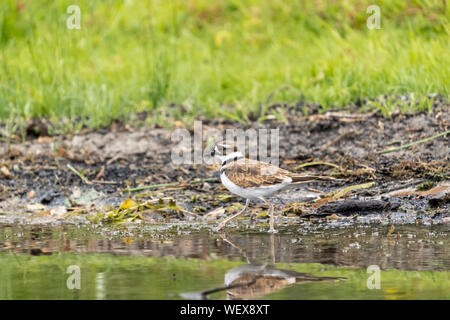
pixel 410 185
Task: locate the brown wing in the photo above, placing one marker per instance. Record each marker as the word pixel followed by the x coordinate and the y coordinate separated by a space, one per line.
pixel 247 173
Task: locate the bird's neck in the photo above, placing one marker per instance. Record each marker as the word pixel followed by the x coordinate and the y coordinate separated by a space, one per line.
pixel 230 157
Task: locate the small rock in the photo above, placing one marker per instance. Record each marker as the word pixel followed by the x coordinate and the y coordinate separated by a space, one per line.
pixel 440 198
pixel 31 194
pixel 36 128
pixel 47 198
pixel 58 211
pixel 206 186
pixel 5 172
pixel 395 203
pixel 14 153
pixel 76 193
pixel 45 139
pixel 349 206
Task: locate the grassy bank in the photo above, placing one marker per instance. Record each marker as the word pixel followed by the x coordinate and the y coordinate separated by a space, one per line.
pixel 214 58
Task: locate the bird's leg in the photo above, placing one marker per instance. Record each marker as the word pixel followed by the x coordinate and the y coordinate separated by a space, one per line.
pixel 224 222
pixel 272 219
pixel 272 222
pixel 242 250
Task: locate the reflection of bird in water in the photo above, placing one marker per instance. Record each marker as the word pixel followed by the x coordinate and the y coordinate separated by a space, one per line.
pixel 252 281
pixel 258 280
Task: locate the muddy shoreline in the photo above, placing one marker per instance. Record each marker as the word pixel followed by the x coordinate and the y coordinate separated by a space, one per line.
pixel 409 185
pixel 411 247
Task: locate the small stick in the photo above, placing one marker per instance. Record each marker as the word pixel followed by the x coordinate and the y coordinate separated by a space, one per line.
pixel 103 182
pixel 339 138
pixel 151 193
pixel 116 157
pixel 316 163
pixel 100 174
pixel 156 186
pixel 86 180
pixel 315 190
pixel 415 143
pixel 188 212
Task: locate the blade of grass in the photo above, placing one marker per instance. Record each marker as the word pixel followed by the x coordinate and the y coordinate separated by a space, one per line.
pixel 405 146
pixel 82 177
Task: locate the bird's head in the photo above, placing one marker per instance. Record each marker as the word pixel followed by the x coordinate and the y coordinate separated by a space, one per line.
pixel 222 151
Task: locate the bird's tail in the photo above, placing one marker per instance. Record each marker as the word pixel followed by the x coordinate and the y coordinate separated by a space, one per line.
pixel 298 178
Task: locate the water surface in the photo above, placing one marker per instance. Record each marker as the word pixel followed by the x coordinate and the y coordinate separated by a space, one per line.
pixel 319 262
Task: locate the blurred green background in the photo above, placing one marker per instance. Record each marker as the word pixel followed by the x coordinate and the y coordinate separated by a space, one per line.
pixel 200 58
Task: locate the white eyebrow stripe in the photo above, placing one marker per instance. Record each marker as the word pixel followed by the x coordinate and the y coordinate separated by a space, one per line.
pixel 232 156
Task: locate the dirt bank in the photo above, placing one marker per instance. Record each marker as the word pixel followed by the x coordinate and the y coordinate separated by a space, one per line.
pixel 55 178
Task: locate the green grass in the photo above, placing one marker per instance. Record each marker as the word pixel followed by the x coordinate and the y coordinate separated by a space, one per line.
pixel 189 58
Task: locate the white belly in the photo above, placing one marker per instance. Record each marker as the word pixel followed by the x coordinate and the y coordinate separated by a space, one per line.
pixel 253 193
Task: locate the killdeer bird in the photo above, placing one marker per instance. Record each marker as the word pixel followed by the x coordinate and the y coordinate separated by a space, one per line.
pixel 253 180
